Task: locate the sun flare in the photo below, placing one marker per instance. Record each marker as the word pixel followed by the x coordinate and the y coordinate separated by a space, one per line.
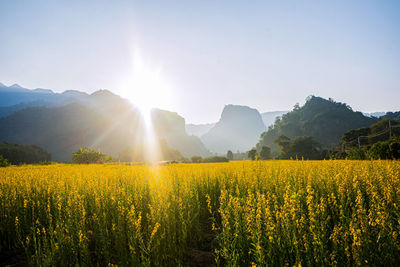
pixel 146 88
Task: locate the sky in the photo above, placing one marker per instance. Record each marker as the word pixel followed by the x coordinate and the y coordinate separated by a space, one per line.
pixel 194 57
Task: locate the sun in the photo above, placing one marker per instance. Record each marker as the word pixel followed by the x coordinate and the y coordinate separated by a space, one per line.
pixel 147 87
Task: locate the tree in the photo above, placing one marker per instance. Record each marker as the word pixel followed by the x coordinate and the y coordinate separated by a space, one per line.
pixel 229 155
pixel 196 159
pixel 284 145
pixel 252 154
pixel 87 155
pixel 385 150
pixel 215 159
pixel 3 162
pixel 265 153
pixel 299 147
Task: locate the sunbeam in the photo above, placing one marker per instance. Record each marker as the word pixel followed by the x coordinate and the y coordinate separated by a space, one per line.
pixel 147 88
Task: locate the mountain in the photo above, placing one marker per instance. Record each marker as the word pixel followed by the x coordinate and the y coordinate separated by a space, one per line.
pixel 324 120
pixel 6 111
pixel 392 115
pixel 374 114
pixel 15 94
pixel 198 129
pixel 15 97
pixel 62 123
pixel 238 129
pixel 62 130
pixel 171 127
pixel 270 116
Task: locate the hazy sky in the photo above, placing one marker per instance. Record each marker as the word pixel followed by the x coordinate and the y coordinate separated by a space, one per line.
pixel 205 54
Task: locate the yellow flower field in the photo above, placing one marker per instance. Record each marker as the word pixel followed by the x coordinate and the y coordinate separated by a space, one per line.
pixel 238 214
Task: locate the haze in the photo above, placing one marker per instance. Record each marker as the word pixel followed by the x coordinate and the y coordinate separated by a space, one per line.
pixel 264 54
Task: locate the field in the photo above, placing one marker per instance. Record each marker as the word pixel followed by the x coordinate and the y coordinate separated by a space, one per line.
pixel 235 214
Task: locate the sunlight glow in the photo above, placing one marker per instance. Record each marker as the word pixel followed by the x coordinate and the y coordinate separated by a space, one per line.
pixel 146 88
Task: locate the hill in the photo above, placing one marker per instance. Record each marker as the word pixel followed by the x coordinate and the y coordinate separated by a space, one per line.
pixel 324 120
pixel 100 120
pixel 171 127
pixel 270 117
pixel 62 130
pixel 238 129
pixel 198 129
pixel 392 115
pixel 15 94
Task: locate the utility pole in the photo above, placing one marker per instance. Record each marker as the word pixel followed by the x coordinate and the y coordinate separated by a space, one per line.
pixel 390 129
pixel 359 144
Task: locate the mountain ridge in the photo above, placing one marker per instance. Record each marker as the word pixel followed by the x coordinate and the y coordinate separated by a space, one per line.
pixel 238 129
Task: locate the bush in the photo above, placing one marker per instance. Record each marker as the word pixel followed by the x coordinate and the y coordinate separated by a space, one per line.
pixel 88 155
pixel 357 154
pixel 215 159
pixel 265 153
pixel 196 159
pixel 385 150
pixel 252 154
pixel 3 162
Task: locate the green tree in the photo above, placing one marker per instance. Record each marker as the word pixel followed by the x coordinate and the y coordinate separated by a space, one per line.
pixel 87 155
pixel 196 159
pixel 357 154
pixel 300 147
pixel 252 154
pixel 215 159
pixel 265 153
pixel 3 162
pixel 229 155
pixel 389 149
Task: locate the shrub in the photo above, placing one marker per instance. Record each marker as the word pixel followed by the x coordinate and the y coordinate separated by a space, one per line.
pixel 88 155
pixel 3 162
pixel 215 159
pixel 357 154
pixel 196 159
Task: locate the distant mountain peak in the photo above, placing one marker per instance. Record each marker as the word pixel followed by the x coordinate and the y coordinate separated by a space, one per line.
pixel 2 85
pixel 15 85
pixel 239 128
pixel 43 91
pixel 103 92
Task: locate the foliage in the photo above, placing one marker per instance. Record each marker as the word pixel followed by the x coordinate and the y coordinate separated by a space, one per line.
pixel 23 154
pixel 196 159
pixel 377 132
pixel 229 155
pixel 87 155
pixel 215 159
pixel 239 155
pixel 3 162
pixel 265 153
pixel 324 120
pixel 385 150
pixel 392 115
pixel 300 147
pixel 252 154
pixel 357 154
pixel 275 213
